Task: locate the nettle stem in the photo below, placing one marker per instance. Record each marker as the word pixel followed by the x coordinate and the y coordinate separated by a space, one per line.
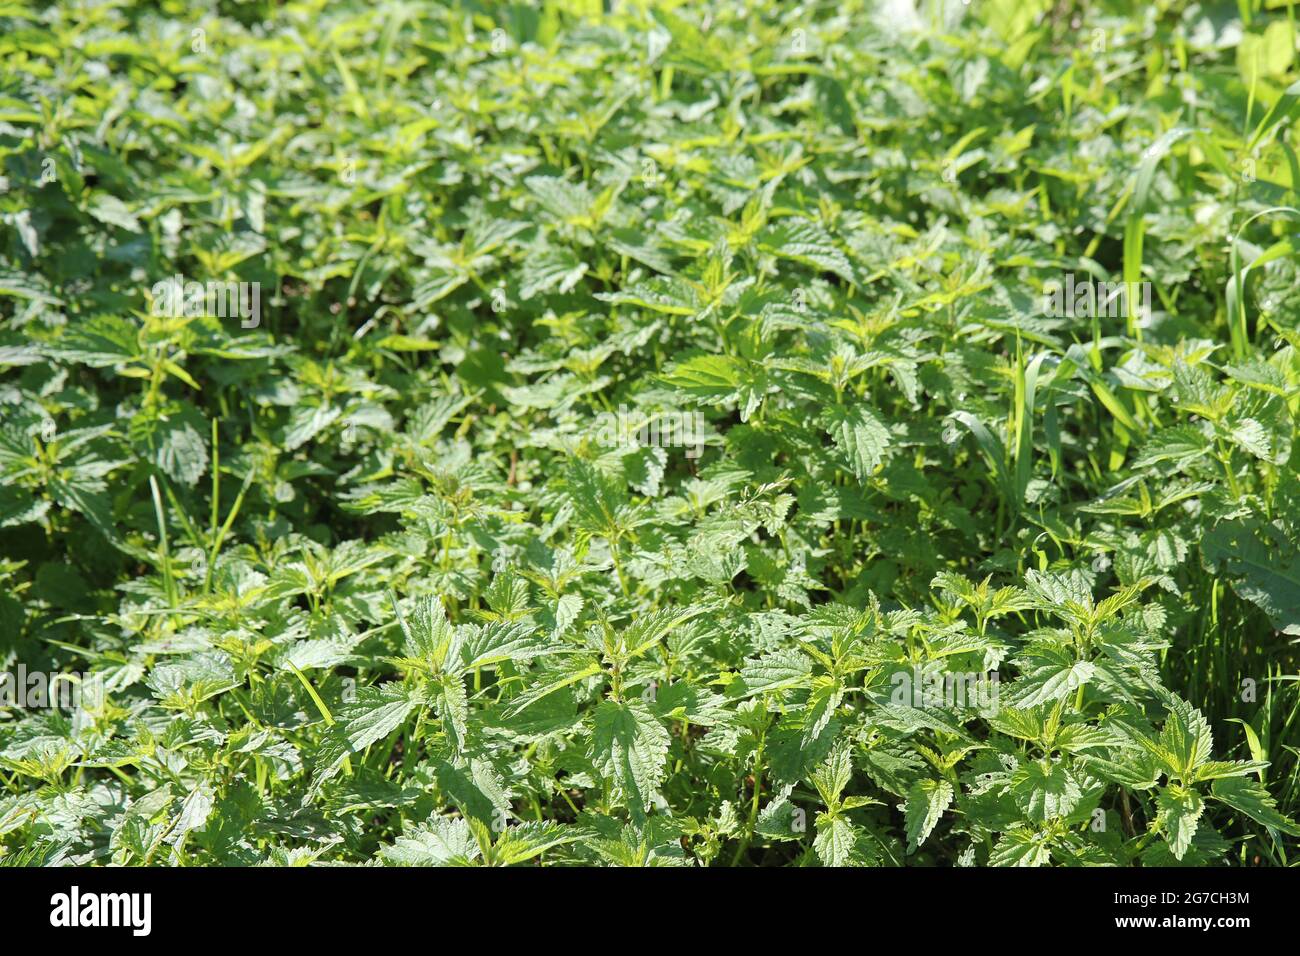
pixel 753 805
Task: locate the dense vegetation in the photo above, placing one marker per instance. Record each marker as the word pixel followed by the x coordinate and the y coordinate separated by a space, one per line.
pixel 377 558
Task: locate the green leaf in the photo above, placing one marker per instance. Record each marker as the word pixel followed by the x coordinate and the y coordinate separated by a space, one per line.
pixel 550 269
pixel 500 641
pixel 551 681
pixel 710 377
pixel 775 671
pixel 807 243
pixel 832 776
pixel 1045 790
pixel 630 745
pixel 860 436
pixel 376 713
pixel 525 842
pixel 1264 566
pixel 836 843
pixel 1048 679
pixel 1250 797
pixel 453 707
pixel 669 296
pixel 1185 740
pixel 1021 847
pixel 1180 810
pixel 926 803
pixel 442 841
pixel 426 632
pixel 597 500
pixel 1180 444
pixel 647 630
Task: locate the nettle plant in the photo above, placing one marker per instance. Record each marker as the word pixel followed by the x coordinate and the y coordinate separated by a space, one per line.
pixel 650 446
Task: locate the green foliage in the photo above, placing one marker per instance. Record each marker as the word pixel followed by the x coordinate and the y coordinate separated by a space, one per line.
pixel 652 445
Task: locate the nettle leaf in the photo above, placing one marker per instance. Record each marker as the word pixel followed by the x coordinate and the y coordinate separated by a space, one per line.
pixel 527 841
pixel 926 803
pixel 23 285
pixel 640 246
pixel 781 820
pixel 681 701
pixel 1021 847
pixel 776 671
pixel 99 342
pixel 305 423
pixel 377 712
pixel 648 630
pixel 487 233
pixel 630 746
pixel 666 295
pixel 112 211
pixel 373 714
pixel 567 609
pixel 597 500
pixel 833 776
pixel 551 681
pixel 860 436
pixel 559 197
pixel 1136 770
pixel 474 786
pixel 807 243
pixel 1179 444
pixel 507 596
pixel 18 506
pixel 1061 589
pixel 453 708
pixel 820 710
pixel 1085 738
pixel 1048 678
pixel 720 380
pixel 194 813
pixel 1180 810
pixel 712 378
pixel 1264 566
pixel 1251 435
pixel 1263 427
pixel 180 450
pixel 426 632
pixel 1045 790
pixel 836 843
pixel 1185 740
pixel 442 841
pixel 550 269
pixel 1222 769
pixel 1250 797
pixel 500 641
